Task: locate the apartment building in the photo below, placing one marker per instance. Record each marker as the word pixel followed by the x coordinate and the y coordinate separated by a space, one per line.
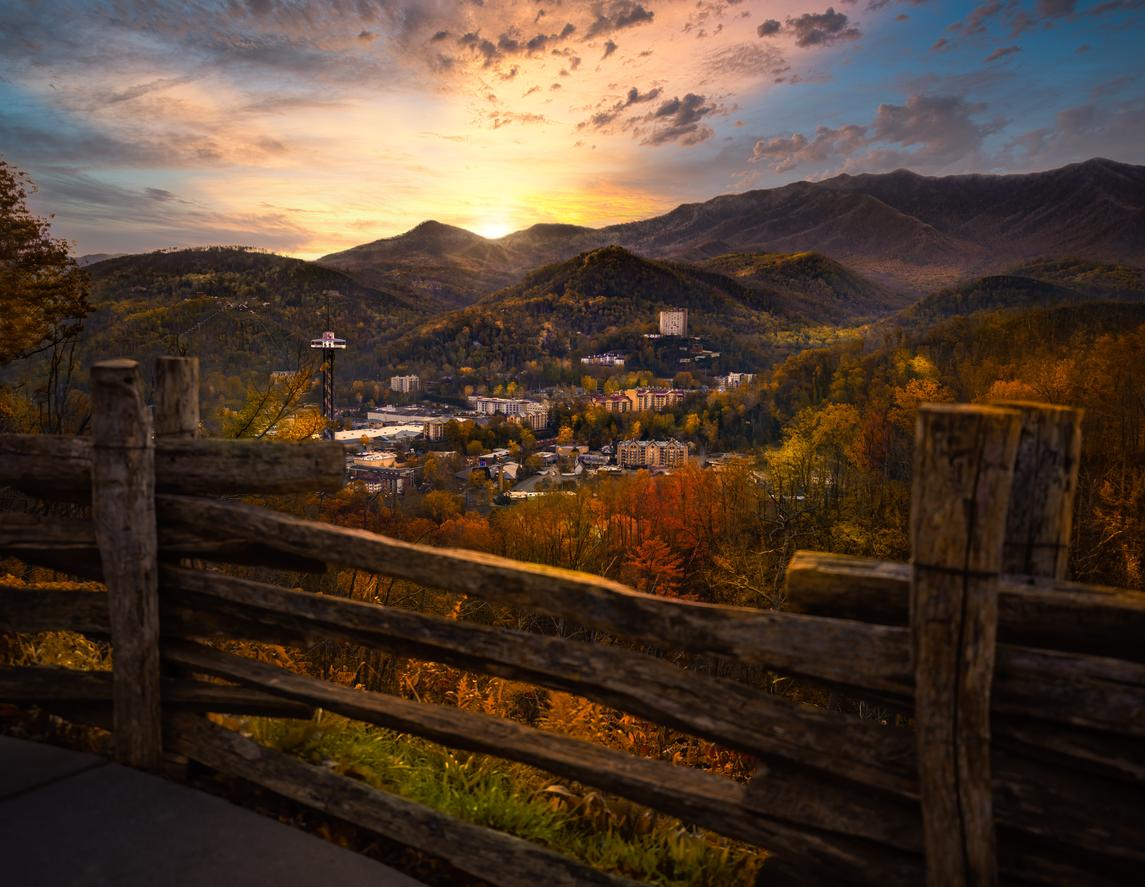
pixel 734 380
pixel 531 413
pixel 674 322
pixel 615 403
pixel 654 399
pixel 388 481
pixel 651 453
pixel 609 359
pixel 405 384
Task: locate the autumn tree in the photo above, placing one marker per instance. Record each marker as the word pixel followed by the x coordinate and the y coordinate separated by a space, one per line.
pixel 44 293
pixel 277 409
pixel 654 568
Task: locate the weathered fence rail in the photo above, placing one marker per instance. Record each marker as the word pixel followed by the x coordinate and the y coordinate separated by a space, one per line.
pixel 1026 761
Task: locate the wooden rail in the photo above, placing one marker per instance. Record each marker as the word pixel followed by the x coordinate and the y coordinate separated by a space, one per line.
pixel 1025 762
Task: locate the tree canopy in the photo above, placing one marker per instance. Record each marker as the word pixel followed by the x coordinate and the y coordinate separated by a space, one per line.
pixel 44 293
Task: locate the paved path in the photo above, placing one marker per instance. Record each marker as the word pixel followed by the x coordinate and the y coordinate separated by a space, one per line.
pixel 76 820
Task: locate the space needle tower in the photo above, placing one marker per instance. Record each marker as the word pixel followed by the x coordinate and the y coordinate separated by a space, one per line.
pixel 329 344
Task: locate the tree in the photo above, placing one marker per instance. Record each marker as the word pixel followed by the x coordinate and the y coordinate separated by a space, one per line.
pixel 44 299
pixel 653 567
pixel 45 293
pixel 277 409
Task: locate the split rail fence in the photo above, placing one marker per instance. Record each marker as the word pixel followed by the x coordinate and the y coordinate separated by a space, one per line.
pixel 1025 761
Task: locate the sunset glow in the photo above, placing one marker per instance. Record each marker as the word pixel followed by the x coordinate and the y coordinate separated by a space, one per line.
pixel 308 127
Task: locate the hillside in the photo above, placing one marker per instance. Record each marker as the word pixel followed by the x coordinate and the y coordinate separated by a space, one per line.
pixel 1097 279
pixel 243 311
pixel 807 285
pixel 1036 285
pixel 1094 209
pixel 908 232
pixel 435 265
pixel 603 299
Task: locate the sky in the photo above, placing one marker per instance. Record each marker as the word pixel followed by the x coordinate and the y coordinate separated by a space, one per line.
pixel 310 127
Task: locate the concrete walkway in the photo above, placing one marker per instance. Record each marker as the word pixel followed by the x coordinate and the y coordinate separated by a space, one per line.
pixel 76 820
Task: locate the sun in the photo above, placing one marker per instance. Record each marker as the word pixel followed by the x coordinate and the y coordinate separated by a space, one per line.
pixel 493 229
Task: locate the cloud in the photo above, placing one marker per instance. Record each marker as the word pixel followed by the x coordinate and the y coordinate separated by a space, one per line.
pixel 482 46
pixel 1109 87
pixel 504 118
pixel 680 120
pixel 540 41
pixel 821 29
pixel 617 15
pixel 603 119
pixel 1055 8
pixel 746 60
pixel 1019 19
pixel 1115 6
pixel 1002 52
pixel 977 20
pixel 813 28
pixel 609 49
pixel 784 153
pixel 1079 132
pixel 109 215
pixel 927 131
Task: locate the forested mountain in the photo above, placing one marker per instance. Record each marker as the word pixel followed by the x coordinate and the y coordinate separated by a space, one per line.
pixel 912 233
pixel 1037 285
pixel 250 312
pixel 93 258
pixel 1094 209
pixel 246 313
pixel 437 266
pixel 807 285
pixel 609 298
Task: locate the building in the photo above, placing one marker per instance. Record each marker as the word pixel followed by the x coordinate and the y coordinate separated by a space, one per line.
pixel 616 403
pixel 389 433
pixel 535 418
pixel 734 380
pixel 388 415
pixel 609 359
pixel 387 481
pixel 674 322
pixel 383 459
pixel 651 453
pixel 654 399
pixel 435 429
pixel 405 384
pixel 531 413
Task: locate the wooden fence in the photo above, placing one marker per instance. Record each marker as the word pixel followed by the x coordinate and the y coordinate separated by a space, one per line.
pixel 1026 761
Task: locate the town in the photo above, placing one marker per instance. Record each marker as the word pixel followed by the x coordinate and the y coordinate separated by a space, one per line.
pixel 492 450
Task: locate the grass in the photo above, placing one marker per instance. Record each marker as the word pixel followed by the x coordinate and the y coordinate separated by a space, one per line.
pixel 609 833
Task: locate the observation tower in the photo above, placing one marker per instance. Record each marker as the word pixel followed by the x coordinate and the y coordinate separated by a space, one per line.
pixel 329 344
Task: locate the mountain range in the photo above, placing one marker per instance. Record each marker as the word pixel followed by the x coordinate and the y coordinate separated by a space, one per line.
pixel 760 271
pixel 909 232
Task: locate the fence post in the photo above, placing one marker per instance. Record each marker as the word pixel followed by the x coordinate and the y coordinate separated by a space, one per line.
pixel 1045 482
pixel 176 397
pixel 123 510
pixel 176 403
pixel 963 468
